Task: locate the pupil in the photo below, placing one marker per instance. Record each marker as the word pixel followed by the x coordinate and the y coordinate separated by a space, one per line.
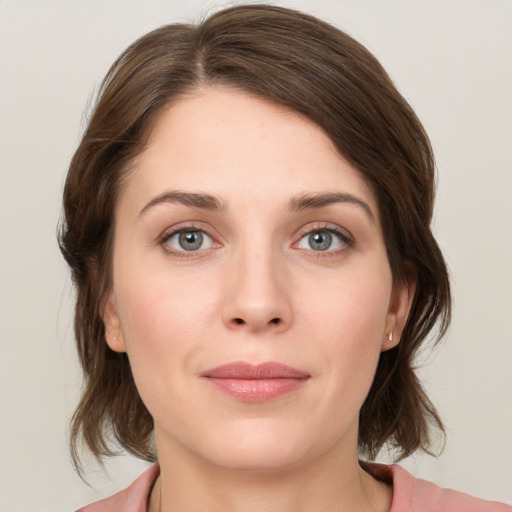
pixel 191 240
pixel 320 241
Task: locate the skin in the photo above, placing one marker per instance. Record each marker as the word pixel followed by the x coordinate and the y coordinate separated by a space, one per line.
pixel 256 290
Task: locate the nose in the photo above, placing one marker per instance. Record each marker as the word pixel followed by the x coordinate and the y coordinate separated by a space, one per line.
pixel 257 293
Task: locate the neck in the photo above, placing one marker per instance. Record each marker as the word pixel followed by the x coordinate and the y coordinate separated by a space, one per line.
pixel 330 483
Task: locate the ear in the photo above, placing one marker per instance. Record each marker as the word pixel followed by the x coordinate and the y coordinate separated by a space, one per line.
pixel 113 331
pixel 400 304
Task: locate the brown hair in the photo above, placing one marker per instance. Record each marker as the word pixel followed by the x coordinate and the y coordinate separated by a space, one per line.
pixel 312 68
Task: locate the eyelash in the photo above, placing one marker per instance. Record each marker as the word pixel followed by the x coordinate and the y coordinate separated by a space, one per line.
pixel 188 228
pixel 345 237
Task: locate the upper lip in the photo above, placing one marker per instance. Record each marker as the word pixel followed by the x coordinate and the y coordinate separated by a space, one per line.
pixel 260 371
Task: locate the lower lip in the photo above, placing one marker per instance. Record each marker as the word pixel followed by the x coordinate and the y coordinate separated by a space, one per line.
pixel 257 390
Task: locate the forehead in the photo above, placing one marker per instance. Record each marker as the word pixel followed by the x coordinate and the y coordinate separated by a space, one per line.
pixel 231 144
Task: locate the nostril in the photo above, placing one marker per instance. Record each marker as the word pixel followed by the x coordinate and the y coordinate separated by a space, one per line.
pixel 241 321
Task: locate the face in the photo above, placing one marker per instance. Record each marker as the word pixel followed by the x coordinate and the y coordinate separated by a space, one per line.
pixel 251 287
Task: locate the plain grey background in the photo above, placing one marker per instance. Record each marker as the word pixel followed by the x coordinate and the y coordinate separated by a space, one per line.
pixel 451 59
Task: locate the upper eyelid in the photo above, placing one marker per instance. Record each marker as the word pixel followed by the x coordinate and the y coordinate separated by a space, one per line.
pixel 217 238
pixel 169 233
pixel 188 226
pixel 346 238
pixel 324 226
pixel 173 234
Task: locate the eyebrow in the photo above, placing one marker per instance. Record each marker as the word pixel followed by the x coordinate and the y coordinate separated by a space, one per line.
pixel 311 201
pixel 297 204
pixel 194 199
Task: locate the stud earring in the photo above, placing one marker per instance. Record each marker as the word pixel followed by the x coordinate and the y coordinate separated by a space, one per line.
pixel 390 337
pixel 107 335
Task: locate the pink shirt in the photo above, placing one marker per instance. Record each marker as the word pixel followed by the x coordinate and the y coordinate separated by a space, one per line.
pixel 409 494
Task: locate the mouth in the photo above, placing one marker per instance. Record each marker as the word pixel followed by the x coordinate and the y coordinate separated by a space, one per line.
pixel 247 382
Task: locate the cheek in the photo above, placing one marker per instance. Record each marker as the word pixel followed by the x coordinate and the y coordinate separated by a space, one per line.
pixel 164 326
pixel 348 318
pixel 352 304
pixel 153 315
pixel 157 300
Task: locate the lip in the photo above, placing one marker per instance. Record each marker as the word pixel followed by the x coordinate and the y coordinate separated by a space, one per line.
pixel 248 382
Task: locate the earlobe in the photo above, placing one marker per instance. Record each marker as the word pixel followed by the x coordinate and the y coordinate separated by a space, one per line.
pixel 113 332
pixel 400 305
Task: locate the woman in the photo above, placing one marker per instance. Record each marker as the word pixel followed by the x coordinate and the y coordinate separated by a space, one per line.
pixel 247 223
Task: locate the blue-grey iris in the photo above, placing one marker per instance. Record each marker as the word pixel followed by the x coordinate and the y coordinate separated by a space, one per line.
pixel 191 240
pixel 320 241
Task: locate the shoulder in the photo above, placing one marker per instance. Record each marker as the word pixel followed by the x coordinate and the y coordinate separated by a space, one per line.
pixel 132 499
pixel 416 495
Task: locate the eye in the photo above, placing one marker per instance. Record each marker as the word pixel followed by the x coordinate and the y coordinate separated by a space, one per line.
pixel 188 240
pixel 323 240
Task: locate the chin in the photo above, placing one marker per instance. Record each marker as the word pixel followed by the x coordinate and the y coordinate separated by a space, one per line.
pixel 255 458
pixel 256 447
